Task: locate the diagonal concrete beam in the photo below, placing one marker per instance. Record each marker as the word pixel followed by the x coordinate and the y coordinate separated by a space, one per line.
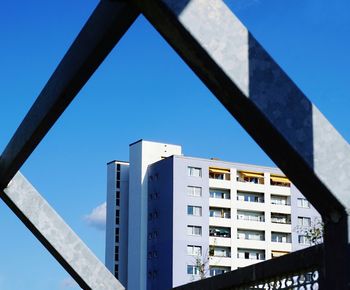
pixel 58 238
pixel 102 31
pixel 270 107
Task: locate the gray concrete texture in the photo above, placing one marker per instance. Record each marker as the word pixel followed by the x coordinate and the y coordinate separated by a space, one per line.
pixel 58 237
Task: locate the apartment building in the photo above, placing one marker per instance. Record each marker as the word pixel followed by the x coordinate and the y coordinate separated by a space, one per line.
pixel 172 219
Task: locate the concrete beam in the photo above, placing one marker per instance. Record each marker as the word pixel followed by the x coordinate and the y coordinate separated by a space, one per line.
pixel 102 31
pixel 58 238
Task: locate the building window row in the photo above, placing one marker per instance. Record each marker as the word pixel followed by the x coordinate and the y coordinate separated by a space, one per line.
pixel 242 176
pixel 118 176
pixel 117 198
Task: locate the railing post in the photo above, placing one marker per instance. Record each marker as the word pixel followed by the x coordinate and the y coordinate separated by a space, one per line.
pixel 336 254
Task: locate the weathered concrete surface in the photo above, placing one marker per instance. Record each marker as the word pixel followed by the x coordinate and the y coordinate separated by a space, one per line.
pixel 57 236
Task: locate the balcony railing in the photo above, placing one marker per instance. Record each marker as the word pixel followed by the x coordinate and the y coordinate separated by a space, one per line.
pixel 278 220
pixel 250 218
pixel 299 270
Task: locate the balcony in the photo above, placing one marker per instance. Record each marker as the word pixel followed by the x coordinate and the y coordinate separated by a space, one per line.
pixel 219 193
pixel 250 197
pixel 217 212
pixel 251 254
pixel 219 173
pixel 215 270
pixel 250 177
pixel 250 216
pixel 279 180
pixel 251 235
pixel 280 218
pixel 221 252
pixel 221 232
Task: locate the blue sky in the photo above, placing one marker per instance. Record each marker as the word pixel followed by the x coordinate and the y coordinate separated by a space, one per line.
pixel 142 90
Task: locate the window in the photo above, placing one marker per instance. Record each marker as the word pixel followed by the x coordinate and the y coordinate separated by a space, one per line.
pixel 194 230
pixel 194 210
pixel 218 270
pixel 304 221
pixel 117 235
pixel 117 196
pixel 116 270
pixel 303 240
pixel 194 191
pixel 194 250
pixel 194 171
pixel 303 202
pixel 192 270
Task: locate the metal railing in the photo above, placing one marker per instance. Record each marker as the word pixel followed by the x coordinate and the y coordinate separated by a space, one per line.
pixel 299 270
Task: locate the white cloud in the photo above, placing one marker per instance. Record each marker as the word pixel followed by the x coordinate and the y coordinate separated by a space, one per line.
pixel 97 217
pixel 69 283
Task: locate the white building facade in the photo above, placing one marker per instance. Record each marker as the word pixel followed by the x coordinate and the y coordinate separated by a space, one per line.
pixel 181 218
